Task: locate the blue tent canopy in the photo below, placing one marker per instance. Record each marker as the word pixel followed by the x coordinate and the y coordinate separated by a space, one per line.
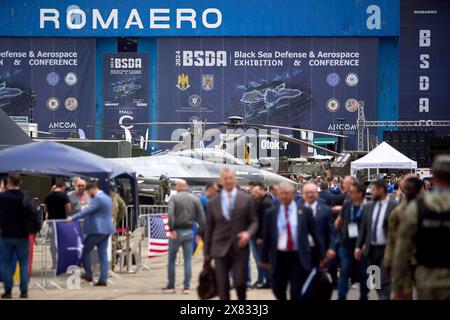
pixel 56 159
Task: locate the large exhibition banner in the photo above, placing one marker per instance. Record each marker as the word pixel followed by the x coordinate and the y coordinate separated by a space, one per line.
pixel 424 60
pixel 310 82
pixel 138 18
pixel 125 93
pixel 50 81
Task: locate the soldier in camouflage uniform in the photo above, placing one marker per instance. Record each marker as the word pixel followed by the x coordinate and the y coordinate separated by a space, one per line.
pixel 119 212
pixel 410 187
pixel 425 229
pixel 162 190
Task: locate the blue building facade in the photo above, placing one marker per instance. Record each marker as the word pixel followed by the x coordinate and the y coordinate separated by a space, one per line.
pixel 264 59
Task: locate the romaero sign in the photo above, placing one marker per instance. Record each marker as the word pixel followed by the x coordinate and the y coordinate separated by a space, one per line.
pixel 107 18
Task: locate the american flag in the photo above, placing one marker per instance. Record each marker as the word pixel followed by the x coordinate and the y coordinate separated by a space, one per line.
pixel 158 235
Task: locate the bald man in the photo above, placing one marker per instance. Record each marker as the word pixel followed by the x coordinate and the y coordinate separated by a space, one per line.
pixel 231 223
pixel 184 210
pixel 324 219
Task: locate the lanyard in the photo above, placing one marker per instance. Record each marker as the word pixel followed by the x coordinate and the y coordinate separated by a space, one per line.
pixel 358 214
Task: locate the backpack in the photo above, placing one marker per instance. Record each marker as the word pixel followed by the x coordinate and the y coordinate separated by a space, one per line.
pixel 33 214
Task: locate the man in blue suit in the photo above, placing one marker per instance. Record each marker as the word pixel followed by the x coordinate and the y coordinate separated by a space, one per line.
pixel 286 250
pixel 98 227
pixel 324 219
pixel 325 195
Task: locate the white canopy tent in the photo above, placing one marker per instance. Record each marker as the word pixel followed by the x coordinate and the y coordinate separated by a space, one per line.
pixel 384 156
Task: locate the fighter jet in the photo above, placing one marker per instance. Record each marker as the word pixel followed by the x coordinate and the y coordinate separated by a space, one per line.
pixel 197 167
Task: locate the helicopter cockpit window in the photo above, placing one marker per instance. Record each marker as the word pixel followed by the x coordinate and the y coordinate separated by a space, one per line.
pixel 346 157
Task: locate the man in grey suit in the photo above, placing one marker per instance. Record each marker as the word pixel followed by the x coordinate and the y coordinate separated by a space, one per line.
pixel 372 234
pixel 230 223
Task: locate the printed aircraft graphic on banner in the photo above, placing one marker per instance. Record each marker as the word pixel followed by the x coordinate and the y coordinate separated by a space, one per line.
pixel 7 93
pixel 270 96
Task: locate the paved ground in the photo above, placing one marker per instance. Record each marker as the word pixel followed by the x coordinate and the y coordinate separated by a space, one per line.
pixel 142 285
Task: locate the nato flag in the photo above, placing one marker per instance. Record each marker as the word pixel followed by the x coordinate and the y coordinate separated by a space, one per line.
pixel 69 244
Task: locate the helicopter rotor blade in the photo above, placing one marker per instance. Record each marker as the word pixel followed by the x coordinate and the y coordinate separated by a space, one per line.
pixel 161 141
pixel 297 129
pixel 299 141
pixel 170 123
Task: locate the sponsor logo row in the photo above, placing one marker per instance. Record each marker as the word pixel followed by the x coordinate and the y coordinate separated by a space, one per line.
pixel 351 79
pixel 351 105
pixel 70 78
pixel 70 103
pixel 207 82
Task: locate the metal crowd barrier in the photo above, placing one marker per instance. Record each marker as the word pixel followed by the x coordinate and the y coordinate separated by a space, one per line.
pixel 44 274
pixel 153 209
pixel 45 259
pixel 42 257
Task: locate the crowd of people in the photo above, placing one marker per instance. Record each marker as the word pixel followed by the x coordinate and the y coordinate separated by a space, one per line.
pixel 399 232
pixel 391 239
pixel 20 216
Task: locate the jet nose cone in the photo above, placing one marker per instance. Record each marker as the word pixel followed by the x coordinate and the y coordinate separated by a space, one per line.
pixel 273 178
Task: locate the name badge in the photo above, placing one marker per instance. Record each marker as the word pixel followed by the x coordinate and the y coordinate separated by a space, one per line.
pixel 311 241
pixel 282 241
pixel 353 230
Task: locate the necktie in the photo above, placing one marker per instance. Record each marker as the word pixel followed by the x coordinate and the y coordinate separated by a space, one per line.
pixel 290 240
pixel 375 224
pixel 230 204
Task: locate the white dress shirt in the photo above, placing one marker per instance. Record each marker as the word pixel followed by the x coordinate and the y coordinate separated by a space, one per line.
pixel 225 200
pixel 313 207
pixel 381 237
pixel 282 226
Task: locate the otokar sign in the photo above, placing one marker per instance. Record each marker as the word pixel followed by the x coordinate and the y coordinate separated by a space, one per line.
pixel 200 18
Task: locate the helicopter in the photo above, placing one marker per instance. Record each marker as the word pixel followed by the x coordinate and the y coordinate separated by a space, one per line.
pixel 190 159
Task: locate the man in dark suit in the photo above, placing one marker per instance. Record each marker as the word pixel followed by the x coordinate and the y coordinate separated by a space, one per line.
pixel 372 237
pixel 286 250
pixel 325 195
pixel 324 219
pixel 230 224
pixel 347 224
pixel 263 203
